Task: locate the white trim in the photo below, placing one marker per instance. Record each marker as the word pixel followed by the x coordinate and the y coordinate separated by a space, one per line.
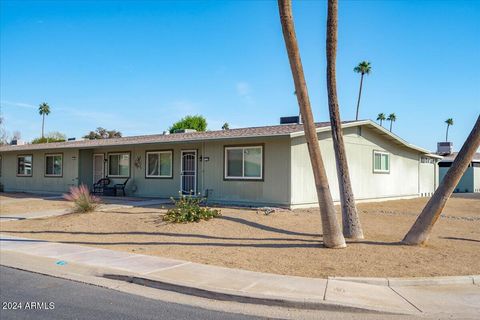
pixel 381 153
pixel 225 174
pixel 159 176
pixel 93 165
pixel 45 162
pixel 181 170
pixel 108 166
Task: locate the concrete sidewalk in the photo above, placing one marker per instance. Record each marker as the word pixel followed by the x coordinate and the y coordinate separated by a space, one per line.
pixel 427 296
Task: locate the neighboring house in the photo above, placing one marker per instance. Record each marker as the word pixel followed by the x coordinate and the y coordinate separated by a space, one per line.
pixel 470 181
pixel 250 166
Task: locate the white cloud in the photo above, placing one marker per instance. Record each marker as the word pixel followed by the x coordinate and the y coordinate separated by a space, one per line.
pixel 244 90
pixel 4 103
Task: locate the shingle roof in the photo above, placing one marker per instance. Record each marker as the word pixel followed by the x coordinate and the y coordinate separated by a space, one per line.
pixel 453 155
pixel 251 132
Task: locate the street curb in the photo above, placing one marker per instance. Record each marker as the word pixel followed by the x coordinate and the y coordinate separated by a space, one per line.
pixel 236 296
pixel 420 281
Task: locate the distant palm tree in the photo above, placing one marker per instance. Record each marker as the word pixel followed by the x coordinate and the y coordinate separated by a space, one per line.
pixel 363 68
pixel 449 123
pixel 225 126
pixel 381 117
pixel 392 118
pixel 43 110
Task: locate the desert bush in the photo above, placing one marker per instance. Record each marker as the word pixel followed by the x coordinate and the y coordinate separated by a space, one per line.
pixel 82 199
pixel 189 209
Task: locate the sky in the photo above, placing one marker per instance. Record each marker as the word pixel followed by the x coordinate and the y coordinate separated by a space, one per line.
pixel 138 66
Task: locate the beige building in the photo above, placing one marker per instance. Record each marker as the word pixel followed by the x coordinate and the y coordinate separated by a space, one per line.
pixel 249 166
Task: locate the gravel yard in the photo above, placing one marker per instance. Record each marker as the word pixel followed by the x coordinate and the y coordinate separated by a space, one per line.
pixel 284 242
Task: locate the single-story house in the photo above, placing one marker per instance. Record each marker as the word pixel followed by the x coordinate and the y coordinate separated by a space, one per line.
pixel 255 166
pixel 470 181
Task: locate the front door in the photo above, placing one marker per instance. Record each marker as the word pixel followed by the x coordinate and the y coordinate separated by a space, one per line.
pixel 188 173
pixel 98 167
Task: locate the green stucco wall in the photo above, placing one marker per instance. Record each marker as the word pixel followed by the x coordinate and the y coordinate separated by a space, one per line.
pixel 38 182
pixel 273 190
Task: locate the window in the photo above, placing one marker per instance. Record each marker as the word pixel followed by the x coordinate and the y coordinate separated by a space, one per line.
pixel 381 162
pixel 53 165
pixel 244 163
pixel 159 164
pixel 24 166
pixel 119 164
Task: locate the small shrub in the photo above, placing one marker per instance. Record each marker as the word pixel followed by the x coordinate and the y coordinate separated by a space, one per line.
pixel 82 199
pixel 189 209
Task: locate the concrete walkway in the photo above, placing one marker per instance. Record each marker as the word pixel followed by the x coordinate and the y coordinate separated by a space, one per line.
pixel 33 215
pixel 114 204
pixel 426 296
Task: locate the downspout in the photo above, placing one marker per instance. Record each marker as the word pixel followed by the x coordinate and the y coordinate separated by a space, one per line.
pixel 418 177
pixel 203 168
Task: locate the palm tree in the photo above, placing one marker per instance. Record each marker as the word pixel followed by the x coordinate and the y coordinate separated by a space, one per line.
pixel 43 110
pixel 449 123
pixel 332 235
pixel 351 222
pixel 421 229
pixel 363 68
pixel 381 117
pixel 392 118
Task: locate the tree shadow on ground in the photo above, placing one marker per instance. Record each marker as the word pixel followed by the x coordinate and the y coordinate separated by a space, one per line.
pixel 267 228
pixel 165 234
pixel 310 243
pixel 460 239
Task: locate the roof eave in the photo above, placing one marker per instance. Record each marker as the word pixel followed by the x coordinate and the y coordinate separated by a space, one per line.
pixel 374 125
pixel 114 144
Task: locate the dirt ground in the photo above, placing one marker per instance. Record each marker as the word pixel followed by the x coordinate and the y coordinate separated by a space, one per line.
pixel 284 242
pixel 14 203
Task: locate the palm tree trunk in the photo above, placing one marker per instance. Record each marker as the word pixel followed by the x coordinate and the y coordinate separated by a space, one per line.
pixel 446 136
pixel 422 227
pixel 332 236
pixel 391 123
pixel 43 123
pixel 351 222
pixel 359 96
pixel 381 121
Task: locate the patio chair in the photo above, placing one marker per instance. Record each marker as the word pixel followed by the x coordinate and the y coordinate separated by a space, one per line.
pixel 121 186
pixel 100 185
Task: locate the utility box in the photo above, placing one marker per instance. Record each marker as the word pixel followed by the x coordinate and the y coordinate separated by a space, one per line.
pixel 444 148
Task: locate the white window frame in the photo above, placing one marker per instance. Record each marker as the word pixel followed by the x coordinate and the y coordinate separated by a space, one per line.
pixel 381 153
pixel 225 174
pixel 61 166
pixel 170 152
pixel 23 174
pixel 129 164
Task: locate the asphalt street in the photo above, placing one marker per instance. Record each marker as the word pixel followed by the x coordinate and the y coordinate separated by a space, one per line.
pixel 26 295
